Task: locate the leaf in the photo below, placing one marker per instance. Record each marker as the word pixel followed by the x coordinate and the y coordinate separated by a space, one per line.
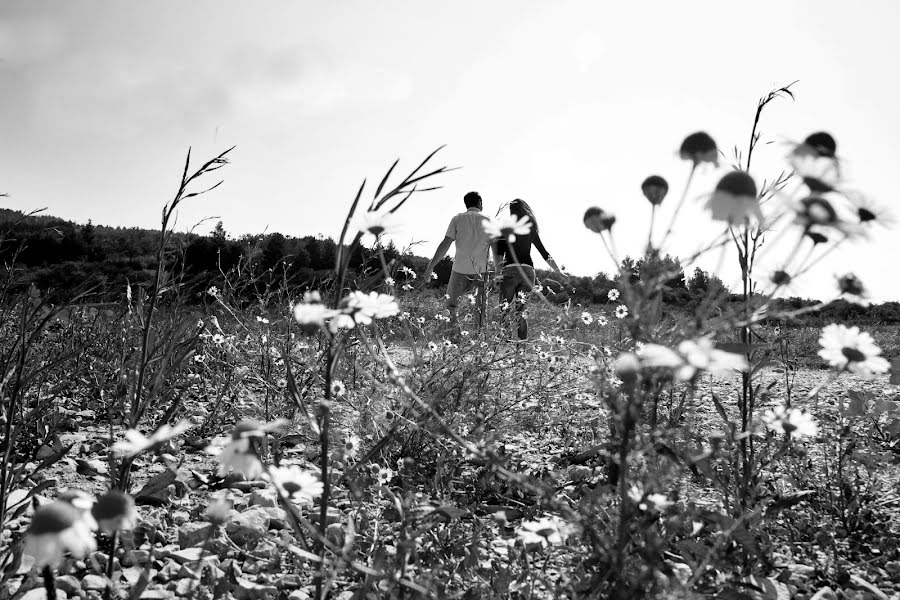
pixel 788 500
pixel 858 402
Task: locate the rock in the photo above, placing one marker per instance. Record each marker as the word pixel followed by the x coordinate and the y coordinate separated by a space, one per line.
pixel 291 581
pixel 157 595
pixel 135 557
pixel 69 584
pixel 278 517
pixel 860 583
pixel 186 586
pixel 247 590
pixel 332 516
pixel 194 534
pixel 181 517
pixel 249 526
pixel 248 486
pixel 299 595
pixel 39 593
pixel 264 497
pixel 826 593
pixel 893 568
pixel 93 582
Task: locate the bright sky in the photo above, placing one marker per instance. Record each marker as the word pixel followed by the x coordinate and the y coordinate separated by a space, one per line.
pixel 564 104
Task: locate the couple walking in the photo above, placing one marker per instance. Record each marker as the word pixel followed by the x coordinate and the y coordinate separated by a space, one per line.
pixel 514 268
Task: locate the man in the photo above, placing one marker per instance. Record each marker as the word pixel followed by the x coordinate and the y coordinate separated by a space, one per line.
pixel 472 244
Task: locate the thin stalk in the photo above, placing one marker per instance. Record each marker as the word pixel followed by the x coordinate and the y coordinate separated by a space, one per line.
pixel 679 205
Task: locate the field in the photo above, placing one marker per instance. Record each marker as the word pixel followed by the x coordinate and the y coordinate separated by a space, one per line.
pixel 259 439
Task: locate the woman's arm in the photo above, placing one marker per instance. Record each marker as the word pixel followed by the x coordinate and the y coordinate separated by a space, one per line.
pixel 536 240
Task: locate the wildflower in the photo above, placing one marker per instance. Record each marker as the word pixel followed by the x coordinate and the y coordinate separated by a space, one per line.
pixel 627 367
pixel 816 158
pixel 389 281
pixel 406 287
pixel 846 348
pixel 699 148
pixel 870 213
pixel 621 311
pixel 551 531
pixel 296 483
pixel 351 446
pixel 421 320
pixel 852 290
pixel 655 189
pixel 371 306
pixel 404 316
pixel 432 346
pixel 136 442
pixel 559 340
pixel 780 278
pixel 433 275
pixel 385 475
pixel 218 511
pixel 791 421
pixel 239 453
pixel 464 333
pixel 613 295
pixel 213 291
pixel 471 298
pixel 657 502
pixel 587 318
pixel 410 274
pixel 734 199
pixel 262 320
pixel 218 339
pixel 82 502
pixel 544 355
pixel 602 320
pixel 597 220
pixel 693 356
pixel 115 511
pixel 55 529
pixel 337 388
pixel 448 344
pixel 507 227
pixel 376 224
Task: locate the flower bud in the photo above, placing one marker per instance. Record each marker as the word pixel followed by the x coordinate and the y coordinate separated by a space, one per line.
pixel 655 189
pixel 597 220
pixel 700 147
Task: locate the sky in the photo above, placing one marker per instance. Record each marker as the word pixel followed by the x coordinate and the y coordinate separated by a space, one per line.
pixel 564 104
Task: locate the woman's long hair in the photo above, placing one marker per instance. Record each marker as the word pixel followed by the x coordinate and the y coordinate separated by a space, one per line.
pixel 520 209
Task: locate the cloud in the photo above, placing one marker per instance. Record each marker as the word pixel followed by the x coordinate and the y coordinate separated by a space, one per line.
pixel 132 94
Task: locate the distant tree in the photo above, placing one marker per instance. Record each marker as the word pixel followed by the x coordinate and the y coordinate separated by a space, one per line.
pixel 274 249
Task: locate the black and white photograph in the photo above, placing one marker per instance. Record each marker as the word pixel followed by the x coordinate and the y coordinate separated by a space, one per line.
pixel 419 300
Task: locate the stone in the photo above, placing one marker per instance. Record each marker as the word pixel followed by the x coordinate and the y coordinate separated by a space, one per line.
pixel 291 581
pixel 248 486
pixel 332 516
pixel 93 582
pixel 69 584
pixel 264 497
pixel 299 595
pixel 157 595
pixel 278 517
pixel 194 534
pixel 39 593
pixel 135 557
pixel 247 590
pixel 181 517
pixel 249 526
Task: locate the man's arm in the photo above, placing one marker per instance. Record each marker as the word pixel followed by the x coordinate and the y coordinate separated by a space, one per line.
pixel 438 256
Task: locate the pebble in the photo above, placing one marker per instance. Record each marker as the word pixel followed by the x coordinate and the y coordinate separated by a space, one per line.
pixel 93 582
pixel 249 526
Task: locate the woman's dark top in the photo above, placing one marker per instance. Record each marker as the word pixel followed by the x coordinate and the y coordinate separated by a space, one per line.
pixel 522 249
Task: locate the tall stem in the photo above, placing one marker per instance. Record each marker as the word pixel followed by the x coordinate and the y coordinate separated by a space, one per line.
pixel 678 206
pixel 49 583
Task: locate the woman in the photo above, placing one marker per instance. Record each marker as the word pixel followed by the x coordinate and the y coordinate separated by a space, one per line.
pixel 515 268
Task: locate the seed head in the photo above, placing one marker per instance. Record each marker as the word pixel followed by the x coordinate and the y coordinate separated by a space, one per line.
pixel 699 147
pixel 737 183
pixel 597 220
pixel 655 189
pixel 822 144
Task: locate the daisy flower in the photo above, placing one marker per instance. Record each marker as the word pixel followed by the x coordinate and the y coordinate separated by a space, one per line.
pixel 115 511
pixel 406 287
pixel 82 502
pixel 136 442
pixel 337 388
pixel 598 220
pixel 389 281
pixel 621 311
pixel 239 453
pixel 55 529
pixel 692 357
pixel 699 148
pixel 734 200
pixel 791 421
pixel 448 344
pixel 552 531
pixel 351 446
pixel 507 227
pixel 421 320
pixel 846 348
pixel 371 306
pixel 602 320
pixel 587 318
pixel 612 295
pixel 377 223
pixel 816 157
pixel 296 483
pixel 385 475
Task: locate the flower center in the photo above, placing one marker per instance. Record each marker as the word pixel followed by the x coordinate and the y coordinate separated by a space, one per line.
pixel 853 355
